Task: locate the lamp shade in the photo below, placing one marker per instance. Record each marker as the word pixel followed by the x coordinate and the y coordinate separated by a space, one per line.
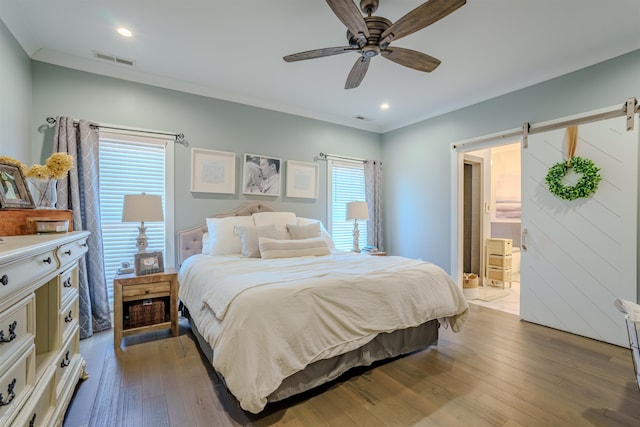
pixel 357 210
pixel 142 208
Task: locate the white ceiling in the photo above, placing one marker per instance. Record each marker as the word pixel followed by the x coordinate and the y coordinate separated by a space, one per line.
pixel 233 50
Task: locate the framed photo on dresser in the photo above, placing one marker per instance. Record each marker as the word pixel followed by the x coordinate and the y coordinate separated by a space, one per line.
pixel 13 188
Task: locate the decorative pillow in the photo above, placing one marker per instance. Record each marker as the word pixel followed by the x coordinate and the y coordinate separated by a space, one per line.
pixel 280 219
pixel 271 248
pixel 249 238
pixel 323 231
pixel 298 232
pixel 205 244
pixel 222 240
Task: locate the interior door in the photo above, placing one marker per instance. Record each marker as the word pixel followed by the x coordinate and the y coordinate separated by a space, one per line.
pixel 580 255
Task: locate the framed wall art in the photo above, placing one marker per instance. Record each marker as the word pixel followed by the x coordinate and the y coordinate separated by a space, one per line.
pixel 13 188
pixel 213 171
pixel 261 175
pixel 302 179
pixel 148 263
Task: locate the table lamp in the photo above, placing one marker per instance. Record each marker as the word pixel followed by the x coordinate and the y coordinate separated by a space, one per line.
pixel 142 208
pixel 356 211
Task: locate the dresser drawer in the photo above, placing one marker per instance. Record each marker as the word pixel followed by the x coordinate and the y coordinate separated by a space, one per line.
pixel 499 274
pixel 40 409
pixel 71 251
pixel 16 384
pixel 68 285
pixel 154 290
pixel 499 261
pixel 68 360
pixel 67 319
pixel 17 275
pixel 17 324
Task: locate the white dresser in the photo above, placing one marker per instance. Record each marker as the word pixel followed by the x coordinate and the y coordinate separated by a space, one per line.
pixel 40 360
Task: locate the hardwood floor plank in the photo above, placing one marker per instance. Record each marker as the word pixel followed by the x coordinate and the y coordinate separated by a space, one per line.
pixel 498 371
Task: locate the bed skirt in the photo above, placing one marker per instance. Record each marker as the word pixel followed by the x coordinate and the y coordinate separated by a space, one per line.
pixel 383 346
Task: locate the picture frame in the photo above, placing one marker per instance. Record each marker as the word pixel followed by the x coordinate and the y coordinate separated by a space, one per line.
pixel 213 171
pixel 13 188
pixel 302 179
pixel 261 175
pixel 148 263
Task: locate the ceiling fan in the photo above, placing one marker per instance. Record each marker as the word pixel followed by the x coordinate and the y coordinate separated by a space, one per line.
pixel 371 35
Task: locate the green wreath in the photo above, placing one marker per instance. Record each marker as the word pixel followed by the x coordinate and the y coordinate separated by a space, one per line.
pixel 587 184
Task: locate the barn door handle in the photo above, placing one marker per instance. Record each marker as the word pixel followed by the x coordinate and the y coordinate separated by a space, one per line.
pixel 523 239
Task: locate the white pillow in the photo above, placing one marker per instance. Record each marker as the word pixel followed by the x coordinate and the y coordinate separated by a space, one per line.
pixel 280 219
pixel 304 231
pixel 272 248
pixel 205 244
pixel 249 238
pixel 323 231
pixel 222 239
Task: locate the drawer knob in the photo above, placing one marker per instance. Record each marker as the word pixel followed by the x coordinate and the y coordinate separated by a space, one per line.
pixel 68 252
pixel 68 318
pixel 12 394
pixel 47 260
pixel 65 362
pixel 12 333
pixel 32 421
pixel 84 245
pixel 67 283
pixel 4 280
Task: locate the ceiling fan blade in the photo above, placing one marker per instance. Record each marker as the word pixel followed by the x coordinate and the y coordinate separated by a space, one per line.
pixel 357 73
pixel 318 53
pixel 348 13
pixel 420 17
pixel 410 58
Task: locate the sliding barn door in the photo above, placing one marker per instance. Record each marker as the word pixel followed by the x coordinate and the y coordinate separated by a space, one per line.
pixel 581 254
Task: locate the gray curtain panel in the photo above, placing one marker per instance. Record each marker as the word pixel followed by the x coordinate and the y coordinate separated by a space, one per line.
pixel 80 193
pixel 373 190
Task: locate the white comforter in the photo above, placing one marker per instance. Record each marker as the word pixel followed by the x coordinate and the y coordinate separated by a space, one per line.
pixel 269 318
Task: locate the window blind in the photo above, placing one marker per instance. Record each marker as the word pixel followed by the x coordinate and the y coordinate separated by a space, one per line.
pixel 128 167
pixel 347 185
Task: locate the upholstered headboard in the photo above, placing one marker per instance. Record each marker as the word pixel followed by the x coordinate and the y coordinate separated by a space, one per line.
pixel 190 240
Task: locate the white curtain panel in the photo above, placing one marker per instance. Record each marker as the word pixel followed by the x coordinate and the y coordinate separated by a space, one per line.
pixel 80 193
pixel 373 190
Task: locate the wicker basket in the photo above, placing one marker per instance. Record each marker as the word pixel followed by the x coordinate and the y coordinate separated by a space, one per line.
pixel 146 313
pixel 470 280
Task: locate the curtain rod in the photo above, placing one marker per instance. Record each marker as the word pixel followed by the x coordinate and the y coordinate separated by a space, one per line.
pixel 325 156
pixel 179 137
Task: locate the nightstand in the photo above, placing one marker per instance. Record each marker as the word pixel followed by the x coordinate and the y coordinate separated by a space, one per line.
pixel 144 303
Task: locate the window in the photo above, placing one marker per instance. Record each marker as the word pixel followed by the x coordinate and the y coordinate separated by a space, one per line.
pixel 346 184
pixel 132 165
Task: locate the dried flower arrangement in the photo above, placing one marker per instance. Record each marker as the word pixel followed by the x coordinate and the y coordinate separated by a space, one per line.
pixel 56 166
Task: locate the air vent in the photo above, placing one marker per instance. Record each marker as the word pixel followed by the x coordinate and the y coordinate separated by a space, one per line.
pixel 115 59
pixel 360 118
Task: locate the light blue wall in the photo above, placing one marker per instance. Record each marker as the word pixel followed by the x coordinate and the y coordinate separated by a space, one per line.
pixel 15 98
pixel 206 123
pixel 417 158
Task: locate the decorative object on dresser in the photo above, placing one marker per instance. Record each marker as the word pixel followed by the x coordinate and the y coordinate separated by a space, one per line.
pixel 13 191
pixel 40 360
pixel 19 222
pixel 356 211
pixel 142 208
pixel 144 304
pixel 43 179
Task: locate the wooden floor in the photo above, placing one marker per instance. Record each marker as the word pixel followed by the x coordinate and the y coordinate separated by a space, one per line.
pixel 499 371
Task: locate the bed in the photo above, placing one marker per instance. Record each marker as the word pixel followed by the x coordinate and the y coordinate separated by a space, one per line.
pixel 299 313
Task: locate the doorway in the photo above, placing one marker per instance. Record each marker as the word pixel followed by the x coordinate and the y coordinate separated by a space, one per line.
pixel 490 208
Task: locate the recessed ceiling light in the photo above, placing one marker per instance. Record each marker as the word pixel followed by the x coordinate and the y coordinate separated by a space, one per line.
pixel 384 106
pixel 124 32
